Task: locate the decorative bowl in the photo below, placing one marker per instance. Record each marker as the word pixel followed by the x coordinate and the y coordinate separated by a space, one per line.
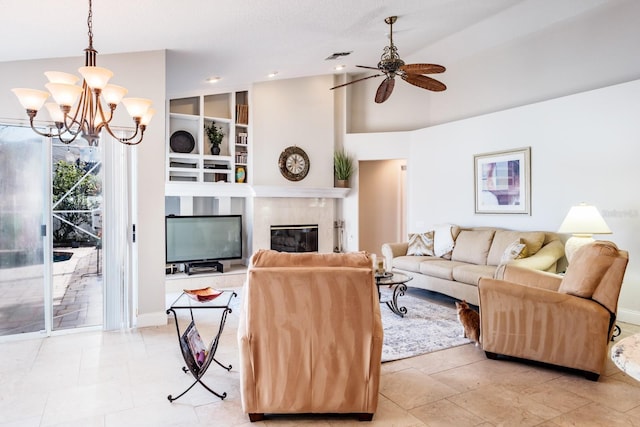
pixel 203 295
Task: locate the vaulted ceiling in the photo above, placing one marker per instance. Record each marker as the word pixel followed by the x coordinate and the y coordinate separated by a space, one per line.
pixel 242 41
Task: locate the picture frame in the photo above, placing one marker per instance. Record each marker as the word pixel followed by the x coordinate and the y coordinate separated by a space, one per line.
pixel 503 182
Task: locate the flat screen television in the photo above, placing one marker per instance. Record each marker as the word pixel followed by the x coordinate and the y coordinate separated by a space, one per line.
pixel 203 238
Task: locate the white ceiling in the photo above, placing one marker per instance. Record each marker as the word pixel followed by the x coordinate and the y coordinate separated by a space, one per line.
pixel 242 41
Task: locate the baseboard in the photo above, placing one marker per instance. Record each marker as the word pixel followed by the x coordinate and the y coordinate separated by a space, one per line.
pixel 151 319
pixel 629 316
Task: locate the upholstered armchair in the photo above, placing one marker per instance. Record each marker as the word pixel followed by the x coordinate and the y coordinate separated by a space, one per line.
pixel 310 335
pixel 566 321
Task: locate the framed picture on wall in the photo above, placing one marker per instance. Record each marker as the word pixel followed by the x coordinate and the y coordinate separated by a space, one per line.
pixel 503 182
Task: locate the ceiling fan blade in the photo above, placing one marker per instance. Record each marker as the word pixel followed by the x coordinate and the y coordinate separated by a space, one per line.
pixel 424 82
pixel 368 68
pixel 422 68
pixel 384 90
pixel 357 80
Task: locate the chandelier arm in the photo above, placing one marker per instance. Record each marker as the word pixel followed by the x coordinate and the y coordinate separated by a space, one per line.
pixel 128 141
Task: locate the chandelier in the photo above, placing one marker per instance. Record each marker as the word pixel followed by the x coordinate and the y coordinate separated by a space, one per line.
pixel 78 110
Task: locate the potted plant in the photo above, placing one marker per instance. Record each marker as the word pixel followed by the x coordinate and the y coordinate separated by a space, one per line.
pixel 215 135
pixel 342 167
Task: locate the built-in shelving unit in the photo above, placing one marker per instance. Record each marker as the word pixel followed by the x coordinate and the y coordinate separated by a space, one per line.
pixel 229 111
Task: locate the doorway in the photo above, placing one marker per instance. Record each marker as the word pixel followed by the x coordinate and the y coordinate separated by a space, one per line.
pixel 382 203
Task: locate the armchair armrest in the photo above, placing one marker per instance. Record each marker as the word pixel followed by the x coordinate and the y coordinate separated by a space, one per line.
pixel 534 278
pixel 392 250
pixel 543 325
pixel 545 259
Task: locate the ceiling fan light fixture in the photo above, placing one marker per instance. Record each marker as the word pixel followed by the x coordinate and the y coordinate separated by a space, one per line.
pixel 391 65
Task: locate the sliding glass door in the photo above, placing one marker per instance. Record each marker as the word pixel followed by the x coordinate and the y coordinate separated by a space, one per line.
pixel 23 206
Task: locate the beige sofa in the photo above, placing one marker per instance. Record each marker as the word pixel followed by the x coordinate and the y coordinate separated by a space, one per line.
pixel 310 335
pixel 477 252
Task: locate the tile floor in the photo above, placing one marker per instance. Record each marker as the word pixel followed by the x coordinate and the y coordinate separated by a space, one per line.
pixel 123 379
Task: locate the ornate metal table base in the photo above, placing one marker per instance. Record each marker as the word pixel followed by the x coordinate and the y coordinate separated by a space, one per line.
pixel 398 282
pixel 197 370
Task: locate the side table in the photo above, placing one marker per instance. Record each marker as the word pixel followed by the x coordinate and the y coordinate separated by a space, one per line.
pixel 626 355
pixel 397 281
pixel 198 368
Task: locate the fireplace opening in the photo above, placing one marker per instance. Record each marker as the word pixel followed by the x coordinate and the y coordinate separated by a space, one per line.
pixel 294 238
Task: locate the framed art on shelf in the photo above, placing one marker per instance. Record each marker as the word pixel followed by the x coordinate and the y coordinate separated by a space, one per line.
pixel 503 182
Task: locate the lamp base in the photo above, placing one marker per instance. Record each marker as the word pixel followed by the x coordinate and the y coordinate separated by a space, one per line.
pixel 574 243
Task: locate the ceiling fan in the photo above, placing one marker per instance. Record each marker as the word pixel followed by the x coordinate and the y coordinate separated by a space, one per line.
pixel 391 65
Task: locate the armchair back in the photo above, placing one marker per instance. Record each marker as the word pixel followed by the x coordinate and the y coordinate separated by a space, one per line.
pixel 310 334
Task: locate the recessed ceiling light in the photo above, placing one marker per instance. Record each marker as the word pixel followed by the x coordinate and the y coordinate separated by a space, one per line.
pixel 213 79
pixel 272 74
pixel 340 67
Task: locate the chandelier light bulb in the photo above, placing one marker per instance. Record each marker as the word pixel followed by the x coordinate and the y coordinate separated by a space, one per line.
pixel 64 94
pixel 31 99
pixel 146 118
pixel 136 107
pixel 113 94
pixel 60 77
pixel 96 77
pixel 55 112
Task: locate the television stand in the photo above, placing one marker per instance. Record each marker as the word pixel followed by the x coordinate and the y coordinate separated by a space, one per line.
pixel 202 267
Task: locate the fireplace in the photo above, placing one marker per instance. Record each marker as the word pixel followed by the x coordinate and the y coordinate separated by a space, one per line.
pixel 294 238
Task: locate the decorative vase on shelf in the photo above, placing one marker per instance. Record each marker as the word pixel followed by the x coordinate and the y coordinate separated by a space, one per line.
pixel 342 183
pixel 215 150
pixel 241 174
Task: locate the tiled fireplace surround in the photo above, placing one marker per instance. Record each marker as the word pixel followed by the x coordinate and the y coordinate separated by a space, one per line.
pixel 268 211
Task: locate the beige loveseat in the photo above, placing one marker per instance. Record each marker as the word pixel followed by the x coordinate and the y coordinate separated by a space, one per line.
pixel 477 252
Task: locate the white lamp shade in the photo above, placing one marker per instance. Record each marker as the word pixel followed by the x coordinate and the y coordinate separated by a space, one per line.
pixel 31 99
pixel 136 107
pixel 584 220
pixel 113 94
pixel 96 77
pixel 146 118
pixel 64 94
pixel 55 112
pixel 60 77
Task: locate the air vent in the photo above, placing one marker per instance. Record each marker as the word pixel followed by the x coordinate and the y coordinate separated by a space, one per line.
pixel 337 55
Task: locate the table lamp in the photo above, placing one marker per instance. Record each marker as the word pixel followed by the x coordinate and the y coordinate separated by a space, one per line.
pixel 582 222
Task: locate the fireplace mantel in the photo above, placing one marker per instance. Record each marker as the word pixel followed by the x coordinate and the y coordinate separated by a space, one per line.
pixel 204 189
pixel 296 191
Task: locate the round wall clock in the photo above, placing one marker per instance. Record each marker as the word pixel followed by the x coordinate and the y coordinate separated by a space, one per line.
pixel 294 163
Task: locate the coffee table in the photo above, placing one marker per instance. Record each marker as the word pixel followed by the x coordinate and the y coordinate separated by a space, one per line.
pixel 626 355
pixel 396 281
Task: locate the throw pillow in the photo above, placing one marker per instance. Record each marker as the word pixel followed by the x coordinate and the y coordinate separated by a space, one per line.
pixel 515 250
pixel 421 244
pixel 443 241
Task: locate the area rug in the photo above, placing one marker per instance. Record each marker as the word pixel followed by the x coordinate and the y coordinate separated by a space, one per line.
pixel 427 327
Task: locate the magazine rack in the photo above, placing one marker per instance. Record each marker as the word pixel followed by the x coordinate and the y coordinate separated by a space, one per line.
pixel 190 337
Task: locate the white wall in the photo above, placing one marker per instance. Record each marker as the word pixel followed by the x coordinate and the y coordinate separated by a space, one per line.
pixel 293 112
pixel 143 74
pixel 584 148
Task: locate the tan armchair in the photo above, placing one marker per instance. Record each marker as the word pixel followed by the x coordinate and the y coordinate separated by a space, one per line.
pixel 310 335
pixel 565 321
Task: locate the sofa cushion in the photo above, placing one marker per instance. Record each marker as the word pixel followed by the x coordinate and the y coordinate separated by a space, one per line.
pixel 421 244
pixel 439 268
pixel 587 269
pixel 443 240
pixel 471 273
pixel 409 262
pixel 472 246
pixel 503 238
